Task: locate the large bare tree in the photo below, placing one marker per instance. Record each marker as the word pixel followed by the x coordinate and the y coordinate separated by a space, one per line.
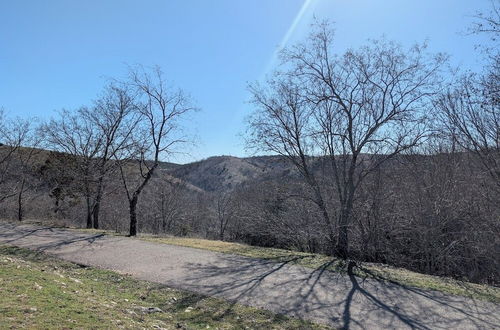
pixel 350 113
pixel 92 136
pixel 157 134
pixel 114 117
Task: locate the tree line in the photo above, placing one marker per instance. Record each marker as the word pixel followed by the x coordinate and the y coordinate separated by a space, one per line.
pixel 127 131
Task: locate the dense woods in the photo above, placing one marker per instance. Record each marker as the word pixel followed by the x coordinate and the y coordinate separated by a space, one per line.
pixel 374 155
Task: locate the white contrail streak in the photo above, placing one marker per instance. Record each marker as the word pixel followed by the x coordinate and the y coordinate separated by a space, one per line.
pixel 288 35
pixel 295 23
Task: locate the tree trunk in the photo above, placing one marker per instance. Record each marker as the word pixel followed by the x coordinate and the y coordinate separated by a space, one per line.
pixel 346 203
pixel 95 214
pixel 20 201
pixel 133 216
pixel 56 206
pixel 89 206
pixel 97 203
pixel 89 218
pixel 221 234
pixel 326 216
pixel 135 197
pixel 342 249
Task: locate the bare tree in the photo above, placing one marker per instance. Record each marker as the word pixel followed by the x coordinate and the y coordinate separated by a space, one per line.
pixel 72 134
pixel 114 118
pixel 156 135
pixel 58 173
pixel 14 133
pixel 26 158
pixel 225 210
pixel 471 108
pixel 488 23
pixel 473 122
pixel 168 205
pixel 351 113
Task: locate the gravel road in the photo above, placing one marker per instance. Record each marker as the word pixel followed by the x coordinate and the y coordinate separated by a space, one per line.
pixel 321 296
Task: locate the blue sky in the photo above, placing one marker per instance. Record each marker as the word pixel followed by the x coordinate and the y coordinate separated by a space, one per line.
pixel 58 54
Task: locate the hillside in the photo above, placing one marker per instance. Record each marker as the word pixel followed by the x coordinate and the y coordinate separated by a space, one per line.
pixel 223 173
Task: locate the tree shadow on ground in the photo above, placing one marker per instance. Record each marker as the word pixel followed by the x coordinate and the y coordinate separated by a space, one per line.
pixel 56 237
pixel 340 300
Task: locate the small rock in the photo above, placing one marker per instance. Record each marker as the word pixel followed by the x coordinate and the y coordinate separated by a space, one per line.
pixel 150 310
pixel 33 309
pixel 189 309
pixel 75 280
pixel 38 286
pixel 61 283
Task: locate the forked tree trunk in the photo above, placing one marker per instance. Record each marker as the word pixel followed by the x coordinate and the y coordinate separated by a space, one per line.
pixel 342 249
pixel 97 203
pixel 89 217
pixel 135 198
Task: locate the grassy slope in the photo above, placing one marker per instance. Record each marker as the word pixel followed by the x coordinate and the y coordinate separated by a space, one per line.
pixel 39 291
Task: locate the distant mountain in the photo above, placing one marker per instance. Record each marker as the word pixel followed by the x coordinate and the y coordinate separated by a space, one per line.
pixel 223 173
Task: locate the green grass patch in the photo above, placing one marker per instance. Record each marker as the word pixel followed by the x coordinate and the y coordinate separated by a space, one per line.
pixel 42 292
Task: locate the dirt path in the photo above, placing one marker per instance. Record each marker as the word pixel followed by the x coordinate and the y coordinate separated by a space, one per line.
pixel 322 296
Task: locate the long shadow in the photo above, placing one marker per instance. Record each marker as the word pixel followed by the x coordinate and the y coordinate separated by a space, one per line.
pixel 253 283
pixel 390 305
pixel 24 234
pixel 346 315
pixel 426 294
pixel 62 237
pixel 89 239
